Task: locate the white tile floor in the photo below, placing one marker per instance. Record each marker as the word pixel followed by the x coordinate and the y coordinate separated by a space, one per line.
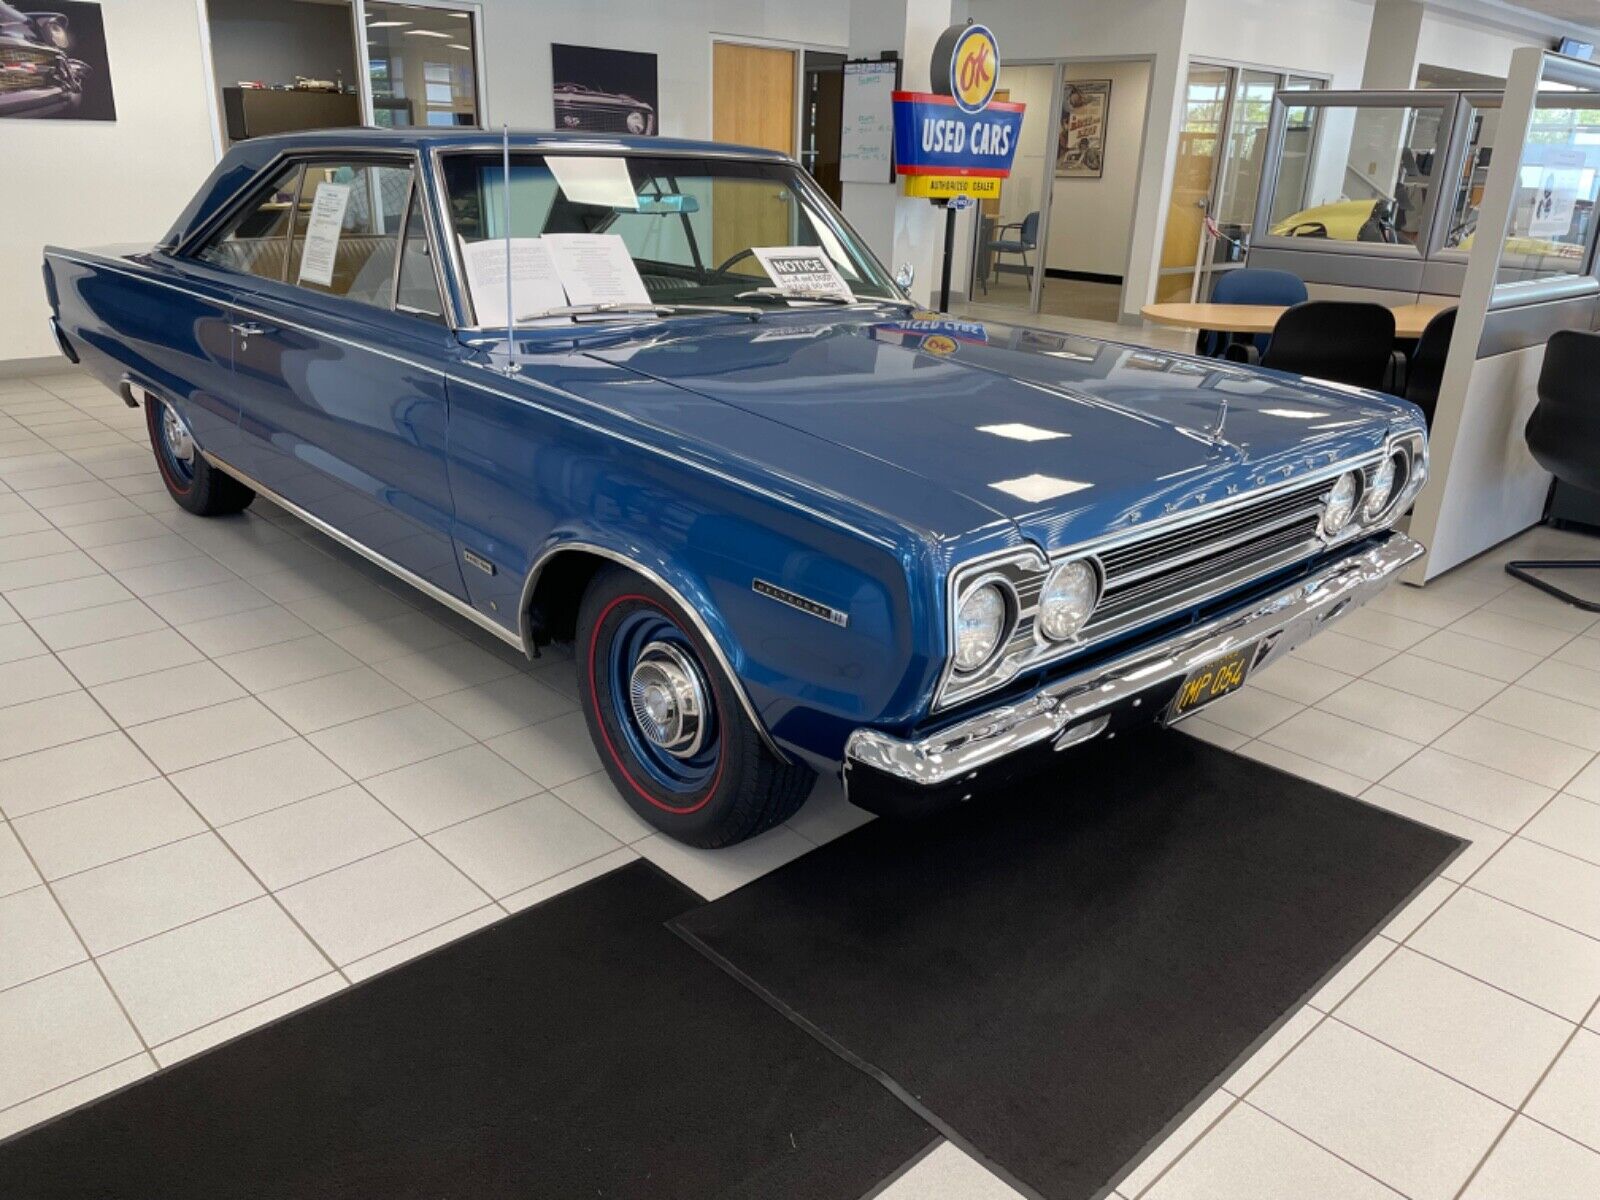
pixel 240 770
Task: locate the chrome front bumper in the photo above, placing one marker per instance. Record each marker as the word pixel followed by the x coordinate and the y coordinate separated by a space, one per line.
pixel 1076 708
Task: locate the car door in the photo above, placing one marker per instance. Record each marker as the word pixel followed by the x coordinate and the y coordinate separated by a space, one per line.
pixel 338 367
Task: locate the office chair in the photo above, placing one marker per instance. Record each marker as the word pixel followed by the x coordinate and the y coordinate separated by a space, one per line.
pixel 1564 437
pixel 1027 239
pixel 1339 340
pixel 1425 370
pixel 1248 285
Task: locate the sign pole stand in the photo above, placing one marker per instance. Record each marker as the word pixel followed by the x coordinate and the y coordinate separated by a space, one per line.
pixel 949 254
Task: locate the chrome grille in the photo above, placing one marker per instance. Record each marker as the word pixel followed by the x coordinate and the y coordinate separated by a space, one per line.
pixel 599 118
pixel 1153 575
pixel 22 69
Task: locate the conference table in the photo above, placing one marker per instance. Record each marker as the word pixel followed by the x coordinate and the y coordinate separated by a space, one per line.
pixel 1409 319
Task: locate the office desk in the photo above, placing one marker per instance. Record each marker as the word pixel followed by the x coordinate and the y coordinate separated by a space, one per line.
pixel 1409 319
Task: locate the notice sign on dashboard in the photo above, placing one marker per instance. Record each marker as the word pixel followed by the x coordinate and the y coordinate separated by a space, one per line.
pixel 320 245
pixel 804 272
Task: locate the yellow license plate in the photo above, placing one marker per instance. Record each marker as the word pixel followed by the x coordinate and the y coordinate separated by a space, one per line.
pixel 1212 682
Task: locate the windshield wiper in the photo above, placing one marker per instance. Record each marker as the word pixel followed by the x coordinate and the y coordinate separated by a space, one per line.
pixel 576 311
pixel 772 293
pixel 821 298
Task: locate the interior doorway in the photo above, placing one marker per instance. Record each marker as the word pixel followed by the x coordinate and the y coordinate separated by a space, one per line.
pixel 821 119
pixel 1057 240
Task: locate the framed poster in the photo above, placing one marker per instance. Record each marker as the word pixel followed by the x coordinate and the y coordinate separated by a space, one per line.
pixel 604 91
pixel 1081 145
pixel 55 62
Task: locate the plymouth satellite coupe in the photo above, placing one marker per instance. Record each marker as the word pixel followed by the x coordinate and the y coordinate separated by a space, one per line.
pixel 790 523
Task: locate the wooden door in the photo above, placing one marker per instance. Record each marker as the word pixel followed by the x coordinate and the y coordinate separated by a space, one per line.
pixel 752 104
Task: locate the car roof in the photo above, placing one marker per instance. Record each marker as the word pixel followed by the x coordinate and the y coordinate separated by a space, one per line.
pixel 245 160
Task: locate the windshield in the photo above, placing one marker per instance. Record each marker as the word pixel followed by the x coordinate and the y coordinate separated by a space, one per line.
pixel 698 231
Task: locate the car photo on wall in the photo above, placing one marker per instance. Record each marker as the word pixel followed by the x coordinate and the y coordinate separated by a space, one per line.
pixel 53 63
pixel 604 91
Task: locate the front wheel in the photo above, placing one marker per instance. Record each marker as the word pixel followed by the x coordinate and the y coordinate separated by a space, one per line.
pixel 668 723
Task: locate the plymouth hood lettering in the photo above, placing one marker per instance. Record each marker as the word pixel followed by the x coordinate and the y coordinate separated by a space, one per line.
pixel 1056 432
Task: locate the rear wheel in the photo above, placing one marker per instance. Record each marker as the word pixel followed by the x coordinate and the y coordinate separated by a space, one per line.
pixel 668 723
pixel 193 482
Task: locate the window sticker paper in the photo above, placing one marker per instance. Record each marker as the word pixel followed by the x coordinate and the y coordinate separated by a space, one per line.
pixel 320 243
pixel 535 286
pixel 594 179
pixel 596 268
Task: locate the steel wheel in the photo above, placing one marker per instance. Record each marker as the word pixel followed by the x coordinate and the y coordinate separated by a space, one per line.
pixel 662 703
pixel 175 444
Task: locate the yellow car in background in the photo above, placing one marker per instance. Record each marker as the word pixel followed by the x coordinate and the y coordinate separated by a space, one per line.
pixel 1344 221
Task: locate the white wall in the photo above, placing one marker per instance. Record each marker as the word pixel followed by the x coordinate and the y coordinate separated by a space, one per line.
pixel 518 33
pixel 1456 41
pixel 89 183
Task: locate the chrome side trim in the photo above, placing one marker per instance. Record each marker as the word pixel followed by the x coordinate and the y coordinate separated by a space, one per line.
pixel 1277 624
pixel 432 591
pixel 704 630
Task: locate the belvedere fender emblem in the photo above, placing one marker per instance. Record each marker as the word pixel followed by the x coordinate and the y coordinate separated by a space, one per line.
pixel 794 600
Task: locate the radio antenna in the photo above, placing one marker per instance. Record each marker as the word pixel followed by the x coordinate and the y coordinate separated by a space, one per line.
pixel 505 189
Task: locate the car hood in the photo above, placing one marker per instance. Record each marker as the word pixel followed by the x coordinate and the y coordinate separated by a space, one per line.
pixel 1069 437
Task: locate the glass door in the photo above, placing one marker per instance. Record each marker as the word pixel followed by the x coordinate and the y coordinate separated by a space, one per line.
pixel 1221 149
pixel 1008 267
pixel 1207 95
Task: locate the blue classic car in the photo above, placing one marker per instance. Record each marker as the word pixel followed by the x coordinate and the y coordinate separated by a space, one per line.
pixel 790 523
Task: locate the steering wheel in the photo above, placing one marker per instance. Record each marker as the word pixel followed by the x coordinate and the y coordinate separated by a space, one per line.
pixel 747 252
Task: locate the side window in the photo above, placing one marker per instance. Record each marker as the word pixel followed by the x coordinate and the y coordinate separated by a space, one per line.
pixel 417 288
pixel 347 226
pixel 256 242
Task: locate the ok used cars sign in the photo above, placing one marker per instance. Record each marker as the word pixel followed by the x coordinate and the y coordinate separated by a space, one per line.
pixel 958 131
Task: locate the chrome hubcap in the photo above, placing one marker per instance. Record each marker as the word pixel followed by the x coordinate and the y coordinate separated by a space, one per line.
pixel 177 436
pixel 668 698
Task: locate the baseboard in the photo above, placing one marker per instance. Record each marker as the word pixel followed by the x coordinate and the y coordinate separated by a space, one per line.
pixel 50 364
pixel 1082 276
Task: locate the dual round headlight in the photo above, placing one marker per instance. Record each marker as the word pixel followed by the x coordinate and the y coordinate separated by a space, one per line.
pixel 1341 504
pixel 981 622
pixel 1068 598
pixel 1382 486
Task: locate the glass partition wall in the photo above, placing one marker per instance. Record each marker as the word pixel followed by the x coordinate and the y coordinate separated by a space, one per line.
pixel 1365 181
pixel 1401 176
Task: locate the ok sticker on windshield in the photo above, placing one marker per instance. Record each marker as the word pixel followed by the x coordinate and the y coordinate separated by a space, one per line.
pixel 803 272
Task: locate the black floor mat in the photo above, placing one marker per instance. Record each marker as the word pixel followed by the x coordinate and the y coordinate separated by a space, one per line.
pixel 577 1049
pixel 1056 977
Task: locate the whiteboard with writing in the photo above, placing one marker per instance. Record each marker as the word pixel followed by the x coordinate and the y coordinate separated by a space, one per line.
pixel 866 141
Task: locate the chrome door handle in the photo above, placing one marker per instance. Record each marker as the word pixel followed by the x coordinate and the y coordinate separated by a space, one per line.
pixel 248 328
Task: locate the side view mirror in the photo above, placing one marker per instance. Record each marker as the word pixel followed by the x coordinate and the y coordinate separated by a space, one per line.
pixel 903 276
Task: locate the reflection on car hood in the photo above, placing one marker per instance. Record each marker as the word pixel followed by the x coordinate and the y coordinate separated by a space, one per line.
pixel 1067 436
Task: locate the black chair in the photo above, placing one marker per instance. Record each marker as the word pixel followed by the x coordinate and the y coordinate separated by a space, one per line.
pixel 1339 340
pixel 1564 437
pixel 1425 370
